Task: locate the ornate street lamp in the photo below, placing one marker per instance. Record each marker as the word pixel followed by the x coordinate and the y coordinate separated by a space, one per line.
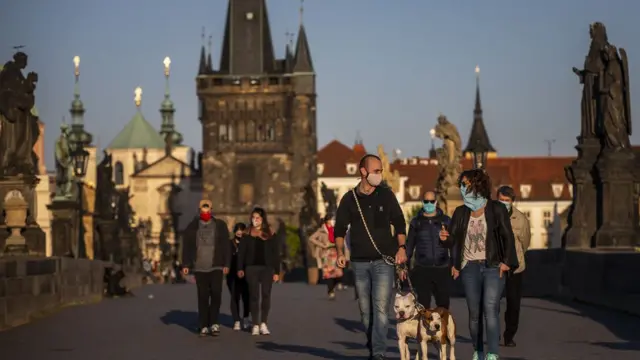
pixel 479 157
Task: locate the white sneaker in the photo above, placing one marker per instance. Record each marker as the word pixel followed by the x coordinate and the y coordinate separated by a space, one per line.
pixel 237 326
pixel 264 330
pixel 215 330
pixel 205 331
pixel 255 330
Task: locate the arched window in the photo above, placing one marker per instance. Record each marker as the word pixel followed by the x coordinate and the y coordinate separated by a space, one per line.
pixel 270 133
pixel 251 131
pixel 119 173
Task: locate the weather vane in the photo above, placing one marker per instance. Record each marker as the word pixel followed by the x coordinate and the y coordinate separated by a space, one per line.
pixel 17 48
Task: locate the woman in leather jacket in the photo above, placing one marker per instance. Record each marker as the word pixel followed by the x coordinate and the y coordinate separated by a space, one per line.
pixel 483 252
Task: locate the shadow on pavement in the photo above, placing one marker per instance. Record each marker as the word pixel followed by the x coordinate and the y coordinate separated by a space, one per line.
pixel 308 350
pixel 621 325
pixel 189 319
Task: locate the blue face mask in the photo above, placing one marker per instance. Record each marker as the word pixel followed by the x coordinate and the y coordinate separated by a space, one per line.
pixel 473 202
pixel 507 204
pixel 429 208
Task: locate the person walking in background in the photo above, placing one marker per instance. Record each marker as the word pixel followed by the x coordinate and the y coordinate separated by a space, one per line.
pixel 371 210
pixel 324 239
pixel 522 232
pixel 259 261
pixel 207 253
pixel 431 273
pixel 238 288
pixel 483 253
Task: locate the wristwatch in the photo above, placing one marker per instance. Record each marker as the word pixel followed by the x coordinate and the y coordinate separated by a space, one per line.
pixel 403 246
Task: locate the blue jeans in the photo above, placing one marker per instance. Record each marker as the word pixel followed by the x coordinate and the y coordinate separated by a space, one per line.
pixel 483 290
pixel 374 285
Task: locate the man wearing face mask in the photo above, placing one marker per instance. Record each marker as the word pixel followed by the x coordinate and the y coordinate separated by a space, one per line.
pixel 431 273
pixel 206 251
pixel 370 209
pixel 513 287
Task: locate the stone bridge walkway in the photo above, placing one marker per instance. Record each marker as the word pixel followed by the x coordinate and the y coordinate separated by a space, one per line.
pixel 305 325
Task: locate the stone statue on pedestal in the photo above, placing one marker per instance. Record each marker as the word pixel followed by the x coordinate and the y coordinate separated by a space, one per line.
pixel 64 166
pixel 616 106
pixel 19 126
pixel 391 178
pixel 330 201
pixel 449 157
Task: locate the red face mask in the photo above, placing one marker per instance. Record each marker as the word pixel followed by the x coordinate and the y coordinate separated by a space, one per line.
pixel 205 216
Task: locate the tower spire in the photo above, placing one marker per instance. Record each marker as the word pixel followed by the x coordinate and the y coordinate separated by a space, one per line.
pixel 77 109
pixel 209 50
pixel 167 130
pixel 478 138
pixel 302 59
pixel 202 67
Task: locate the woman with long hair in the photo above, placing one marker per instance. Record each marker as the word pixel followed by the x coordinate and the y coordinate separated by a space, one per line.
pixel 324 239
pixel 238 288
pixel 259 261
pixel 483 252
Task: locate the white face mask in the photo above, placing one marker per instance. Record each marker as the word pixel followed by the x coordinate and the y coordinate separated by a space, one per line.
pixel 374 179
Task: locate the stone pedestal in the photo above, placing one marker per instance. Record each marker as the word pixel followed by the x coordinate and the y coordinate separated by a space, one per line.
pixel 583 216
pixel 618 223
pixel 64 235
pixel 33 239
pixel 107 234
pixel 454 199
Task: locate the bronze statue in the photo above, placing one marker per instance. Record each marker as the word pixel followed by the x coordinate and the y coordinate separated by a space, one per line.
pixel 105 187
pixel 614 95
pixel 330 201
pixel 64 166
pixel 19 127
pixel 449 157
pixel 590 77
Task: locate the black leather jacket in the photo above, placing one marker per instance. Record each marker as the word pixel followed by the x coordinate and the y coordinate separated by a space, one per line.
pixel 500 243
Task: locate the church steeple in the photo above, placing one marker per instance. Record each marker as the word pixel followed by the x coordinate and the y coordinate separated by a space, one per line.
pixel 202 67
pixel 478 138
pixel 302 60
pixel 247 48
pixel 209 62
pixel 168 129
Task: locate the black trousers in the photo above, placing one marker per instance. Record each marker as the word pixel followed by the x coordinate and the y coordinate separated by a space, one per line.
pixel 332 283
pixel 260 281
pixel 432 280
pixel 209 285
pixel 238 291
pixel 513 293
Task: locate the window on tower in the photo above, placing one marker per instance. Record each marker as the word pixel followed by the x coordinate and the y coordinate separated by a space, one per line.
pixel 251 131
pixel 254 82
pixel 218 82
pixel 271 133
pixel 222 133
pixel 119 173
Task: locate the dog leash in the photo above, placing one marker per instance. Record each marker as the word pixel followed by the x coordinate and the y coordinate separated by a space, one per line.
pixel 389 260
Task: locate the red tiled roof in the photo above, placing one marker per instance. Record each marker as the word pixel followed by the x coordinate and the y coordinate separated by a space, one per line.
pixel 538 172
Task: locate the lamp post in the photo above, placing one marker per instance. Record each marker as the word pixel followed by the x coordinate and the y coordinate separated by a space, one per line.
pixel 479 158
pixel 80 157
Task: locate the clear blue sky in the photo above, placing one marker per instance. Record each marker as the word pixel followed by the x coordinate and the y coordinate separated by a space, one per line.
pixel 385 68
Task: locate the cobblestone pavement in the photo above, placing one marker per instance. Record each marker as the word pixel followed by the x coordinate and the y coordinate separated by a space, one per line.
pixel 305 325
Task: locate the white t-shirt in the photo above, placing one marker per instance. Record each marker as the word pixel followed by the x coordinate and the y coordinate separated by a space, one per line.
pixel 475 241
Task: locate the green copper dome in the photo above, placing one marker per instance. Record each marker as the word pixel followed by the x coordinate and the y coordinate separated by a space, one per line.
pixel 137 134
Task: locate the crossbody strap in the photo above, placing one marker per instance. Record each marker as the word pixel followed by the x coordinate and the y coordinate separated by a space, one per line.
pixel 387 259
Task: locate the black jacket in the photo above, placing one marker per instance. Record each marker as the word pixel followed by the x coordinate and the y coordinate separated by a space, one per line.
pixel 380 210
pixel 246 252
pixel 424 240
pixel 222 253
pixel 500 243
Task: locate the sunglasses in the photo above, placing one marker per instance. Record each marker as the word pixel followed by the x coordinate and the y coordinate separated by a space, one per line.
pixel 428 201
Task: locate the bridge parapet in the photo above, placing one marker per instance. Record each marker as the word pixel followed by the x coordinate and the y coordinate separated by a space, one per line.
pixel 31 286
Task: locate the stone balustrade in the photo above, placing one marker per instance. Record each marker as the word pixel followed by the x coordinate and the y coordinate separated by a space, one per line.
pixel 33 286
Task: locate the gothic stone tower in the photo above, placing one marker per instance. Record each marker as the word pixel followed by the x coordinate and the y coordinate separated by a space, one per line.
pixel 258 116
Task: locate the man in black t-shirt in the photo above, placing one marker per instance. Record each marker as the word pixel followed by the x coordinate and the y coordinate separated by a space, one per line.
pixel 373 247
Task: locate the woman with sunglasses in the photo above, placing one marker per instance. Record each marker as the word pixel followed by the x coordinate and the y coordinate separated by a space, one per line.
pixel 431 270
pixel 483 252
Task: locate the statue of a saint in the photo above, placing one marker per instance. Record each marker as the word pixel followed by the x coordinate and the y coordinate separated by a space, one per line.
pixel 19 126
pixel 449 156
pixel 590 77
pixel 105 187
pixel 392 178
pixel 330 201
pixel 614 95
pixel 64 166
